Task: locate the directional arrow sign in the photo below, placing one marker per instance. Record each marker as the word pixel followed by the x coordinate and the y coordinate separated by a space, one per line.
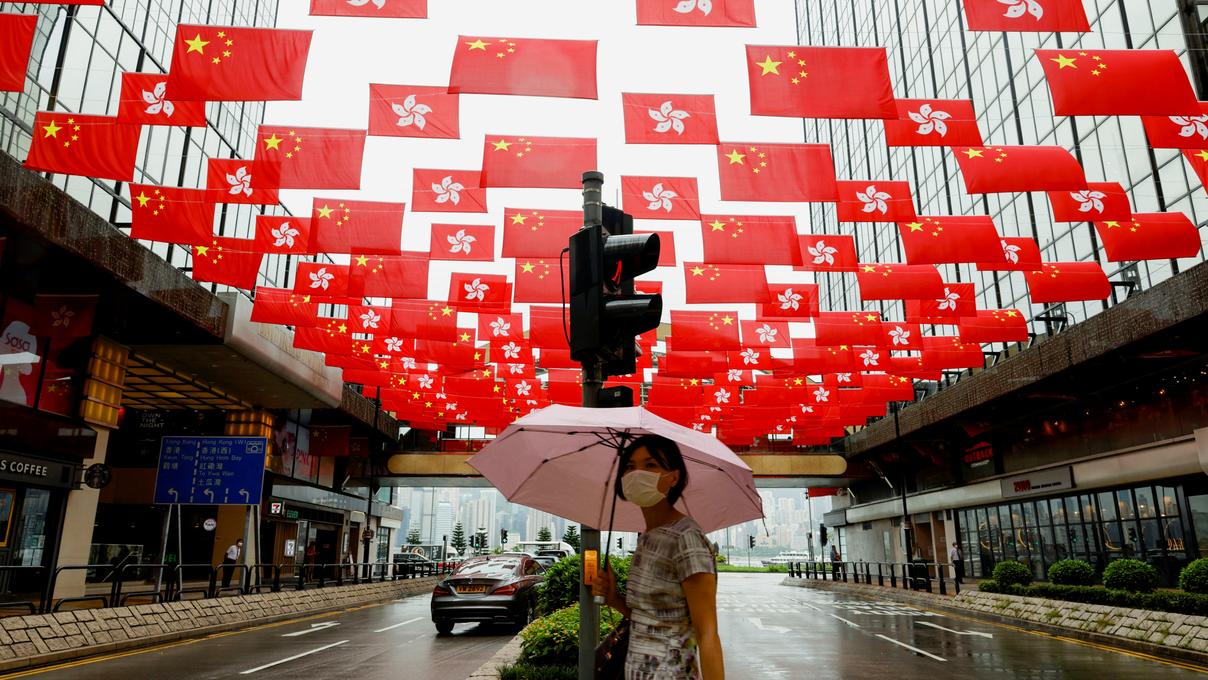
pixel 988 636
pixel 313 627
pixel 758 623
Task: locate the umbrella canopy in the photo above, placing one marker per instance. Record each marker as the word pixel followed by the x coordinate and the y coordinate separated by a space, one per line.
pixel 563 460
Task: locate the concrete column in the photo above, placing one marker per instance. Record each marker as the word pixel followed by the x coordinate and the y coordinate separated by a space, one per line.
pixel 1201 446
pixel 78 520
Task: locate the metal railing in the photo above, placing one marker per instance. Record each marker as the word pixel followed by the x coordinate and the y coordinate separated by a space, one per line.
pixel 918 575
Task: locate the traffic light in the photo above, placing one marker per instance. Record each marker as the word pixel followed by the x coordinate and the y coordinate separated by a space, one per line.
pixel 503 536
pixel 605 312
pixel 619 546
pixel 822 538
pixel 750 541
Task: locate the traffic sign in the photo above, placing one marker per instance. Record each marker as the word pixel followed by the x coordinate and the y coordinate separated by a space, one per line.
pixel 210 470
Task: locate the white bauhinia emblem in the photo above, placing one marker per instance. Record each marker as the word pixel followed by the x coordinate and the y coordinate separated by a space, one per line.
pixel 61 317
pixel 361 3
pixel 157 101
pixel 284 235
pixel 686 6
pixel 425 382
pixel 511 351
pixel 767 334
pixel 949 300
pixel 240 182
pixel 734 375
pixel 321 278
pixel 900 336
pixel 930 119
pixel 461 242
pixel 477 290
pixel 668 117
pixel 722 396
pixel 408 362
pixel 870 357
pixel 394 344
pixel 749 356
pixel 500 327
pixel 821 394
pixel 789 300
pixel 516 369
pixel 1010 252
pixel 699 427
pixel 1088 200
pixel 659 197
pixel 843 377
pixel 410 113
pixel 1017 8
pixel 823 253
pixel 873 200
pixel 1190 126
pixel 448 191
pixel 370 319
pixel 523 388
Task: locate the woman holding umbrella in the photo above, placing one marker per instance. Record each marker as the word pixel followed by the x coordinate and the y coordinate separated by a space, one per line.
pixel 671 598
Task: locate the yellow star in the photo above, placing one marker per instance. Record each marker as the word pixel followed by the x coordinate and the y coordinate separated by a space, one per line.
pixel 868 269
pixel 769 66
pixel 501 145
pixel 362 260
pixel 1203 156
pixel 325 212
pixel 342 328
pixel 527 268
pixel 870 317
pixel 52 130
pixel 698 271
pixel 465 337
pixel 1063 61
pixel 1111 225
pixel 797 381
pixel 142 199
pixel 478 44
pixel 736 157
pixel 518 219
pixel 447 311
pixel 202 251
pixel 915 226
pixel 1011 313
pixel 974 153
pixel 694 382
pixel 197 44
pixel 718 225
pixel 273 143
pixel 727 320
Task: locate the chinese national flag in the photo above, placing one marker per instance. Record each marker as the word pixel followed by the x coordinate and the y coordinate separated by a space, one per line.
pixel 820 82
pixel 284 306
pixel 776 172
pixel 1050 16
pixel 447 191
pixel 222 63
pixel 366 227
pixel 790 301
pixel 1097 202
pixel 1150 236
pixel 402 276
pixel 892 281
pixel 1198 160
pixel 933 122
pixel 696 13
pixel 378 9
pixel 669 118
pixel 322 279
pixel 949 239
pixel 539 280
pixel 848 328
pixel 707 283
pixel 545 327
pixel 235 180
pixel 1178 132
pixel 1019 254
pixel 946 352
pixel 330 341
pixel 705 330
pixel 76 144
pixel 228 261
pixel 313 158
pixel 1067 282
pixel 827 253
pixel 870 201
pixel 171 215
pixel 16 40
pixel 63 317
pixel 730 239
pixel 462 242
pixel 957 300
pixel 661 198
pixel 283 234
pixel 1003 169
pixel 471 292
pixel 994 325
pixel 524 66
pixel 811 357
pixel 538 233
pixel 426 319
pixel 146 100
pixel 413 111
pixel 666 247
pixel 537 162
pixel 1118 83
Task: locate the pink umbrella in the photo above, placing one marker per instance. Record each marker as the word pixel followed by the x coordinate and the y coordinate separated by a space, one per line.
pixel 563 460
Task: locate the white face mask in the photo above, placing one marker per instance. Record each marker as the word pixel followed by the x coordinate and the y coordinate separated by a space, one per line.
pixel 641 487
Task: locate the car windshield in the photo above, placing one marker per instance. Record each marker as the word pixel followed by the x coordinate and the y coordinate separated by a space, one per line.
pixel 488 568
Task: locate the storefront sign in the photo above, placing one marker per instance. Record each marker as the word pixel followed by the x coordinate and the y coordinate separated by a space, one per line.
pixel 276 508
pixel 36 471
pixel 290 547
pixel 1045 481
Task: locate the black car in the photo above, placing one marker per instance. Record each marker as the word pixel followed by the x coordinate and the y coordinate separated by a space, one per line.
pixel 490 588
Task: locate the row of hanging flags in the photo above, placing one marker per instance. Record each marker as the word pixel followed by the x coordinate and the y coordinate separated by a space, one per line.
pixel 742 378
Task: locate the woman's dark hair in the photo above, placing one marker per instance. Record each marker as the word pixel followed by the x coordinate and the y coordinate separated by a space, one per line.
pixel 665 452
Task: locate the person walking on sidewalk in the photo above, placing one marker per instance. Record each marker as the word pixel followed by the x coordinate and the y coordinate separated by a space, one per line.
pixel 836 562
pixel 958 562
pixel 230 560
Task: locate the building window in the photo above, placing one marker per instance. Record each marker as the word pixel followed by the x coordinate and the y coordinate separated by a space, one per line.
pixel 383 544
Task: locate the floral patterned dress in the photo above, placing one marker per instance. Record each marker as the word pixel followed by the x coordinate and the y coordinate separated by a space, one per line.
pixel 662 645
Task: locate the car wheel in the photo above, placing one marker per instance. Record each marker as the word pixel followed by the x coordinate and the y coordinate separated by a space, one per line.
pixel 444 627
pixel 530 615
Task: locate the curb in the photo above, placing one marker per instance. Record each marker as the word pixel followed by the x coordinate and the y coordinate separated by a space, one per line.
pixel 508 655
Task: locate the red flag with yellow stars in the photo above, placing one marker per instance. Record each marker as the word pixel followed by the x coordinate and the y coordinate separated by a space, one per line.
pixel 378 9
pixel 947 352
pixel 895 281
pixel 171 215
pixel 330 337
pixel 540 280
pixel 827 253
pixel 1198 160
pixel 873 201
pixel 994 325
pixel 426 319
pixel 392 276
pixel 1098 201
pixel 738 239
pixel 365 227
pixel 791 301
pixel 1118 83
pixel 1149 236
pixel 538 233
pixel 721 13
pixel 933 122
pixel 16 40
pixel 957 300
pixel 661 198
pixel 447 191
pixel 776 172
pixel 1067 282
pixel 848 328
pixel 1003 169
pixel 705 330
pixel 283 234
pixel 284 306
pixel 1178 132
pixel 227 260
pixel 1019 254
pixel 413 111
pixel 820 82
pixel 313 158
pixel 707 283
pixel 146 100
pixel 1027 16
pixel 462 242
pixel 669 118
pixel 234 180
pixel 537 162
pixel 524 66
pixel 90 146
pixel 949 239
pixel 223 63
pixel 321 280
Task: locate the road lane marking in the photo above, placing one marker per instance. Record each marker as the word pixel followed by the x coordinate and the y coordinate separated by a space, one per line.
pixel 403 623
pixel 314 627
pixel 913 649
pixel 853 624
pixel 758 623
pixel 988 636
pixel 292 658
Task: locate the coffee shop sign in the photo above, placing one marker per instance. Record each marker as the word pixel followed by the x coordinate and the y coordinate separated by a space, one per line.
pixel 23 468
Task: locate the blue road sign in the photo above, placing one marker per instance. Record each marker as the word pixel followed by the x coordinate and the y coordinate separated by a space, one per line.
pixel 210 470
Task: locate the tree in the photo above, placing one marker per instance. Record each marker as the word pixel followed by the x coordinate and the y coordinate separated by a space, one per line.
pixel 459 539
pixel 543 534
pixel 571 537
pixel 413 537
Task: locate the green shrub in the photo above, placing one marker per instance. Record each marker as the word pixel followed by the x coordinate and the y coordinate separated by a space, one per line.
pixel 525 671
pixel 1165 601
pixel 1012 573
pixel 1131 575
pixel 554 640
pixel 1072 573
pixel 560 588
pixel 1194 577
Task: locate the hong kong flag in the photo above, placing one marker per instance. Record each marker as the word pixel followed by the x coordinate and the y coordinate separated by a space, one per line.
pixel 538 233
pixel 367 227
pixel 901 337
pixel 234 180
pixel 171 215
pixel 222 63
pixel 228 261
pixel 871 201
pixel 145 99
pixel 1067 282
pixel 524 66
pixel 933 122
pixel 827 253
pixel 402 276
pixel 16 40
pixel 537 162
pixel 1178 132
pixel 820 82
pixel 1002 169
pixel 76 144
pixel 661 198
pixel 284 234
pixel 669 118
pixel 1118 83
pixel 1098 201
pixel 790 301
pixel 1033 16
pixel 696 13
pixel 766 333
pixel 707 283
pixel 733 239
pixel 471 291
pixel 413 111
pixel 1019 254
pixel 322 279
pixel 994 325
pixel 447 191
pixel 949 239
pixel 892 281
pixel 1150 236
pixel 539 280
pixel 957 300
pixel 705 330
pixel 285 307
pixel 776 172
pixel 313 158
pixel 462 242
pixel 378 9
pixel 63 317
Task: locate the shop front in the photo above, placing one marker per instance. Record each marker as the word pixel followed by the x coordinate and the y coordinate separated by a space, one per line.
pixel 33 494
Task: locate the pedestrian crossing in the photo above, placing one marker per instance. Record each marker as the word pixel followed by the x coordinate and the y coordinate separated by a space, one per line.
pixel 754 606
